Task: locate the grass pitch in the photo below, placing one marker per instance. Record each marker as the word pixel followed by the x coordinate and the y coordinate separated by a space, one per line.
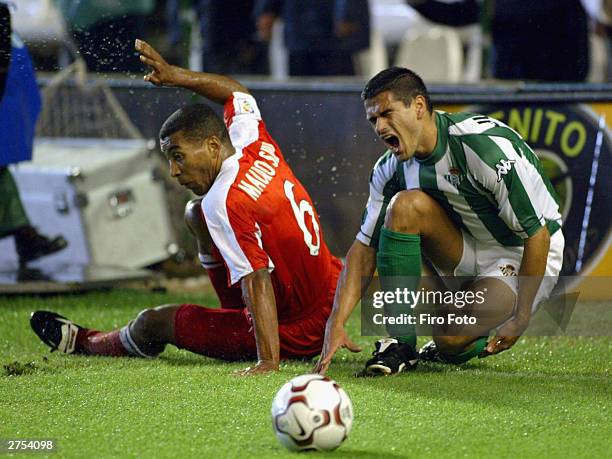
pixel 547 397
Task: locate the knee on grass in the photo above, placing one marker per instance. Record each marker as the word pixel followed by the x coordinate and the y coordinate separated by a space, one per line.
pixel 152 329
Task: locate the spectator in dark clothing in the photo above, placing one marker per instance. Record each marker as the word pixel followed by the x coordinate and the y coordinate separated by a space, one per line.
pixel 19 107
pixel 229 37
pixel 532 40
pixel 321 36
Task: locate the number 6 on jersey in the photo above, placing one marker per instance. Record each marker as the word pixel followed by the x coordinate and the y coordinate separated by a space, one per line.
pixel 300 212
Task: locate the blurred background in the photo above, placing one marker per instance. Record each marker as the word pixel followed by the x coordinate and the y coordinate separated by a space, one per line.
pixel 447 41
pixel 544 67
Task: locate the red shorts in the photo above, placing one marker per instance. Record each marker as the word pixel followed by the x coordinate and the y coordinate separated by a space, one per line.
pixel 227 333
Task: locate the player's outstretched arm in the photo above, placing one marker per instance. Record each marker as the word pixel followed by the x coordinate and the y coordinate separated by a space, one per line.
pixel 357 272
pixel 258 295
pixel 217 88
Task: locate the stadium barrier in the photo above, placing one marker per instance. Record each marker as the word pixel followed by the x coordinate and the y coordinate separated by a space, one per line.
pixel 323 133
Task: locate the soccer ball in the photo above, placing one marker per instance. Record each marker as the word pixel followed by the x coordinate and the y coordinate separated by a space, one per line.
pixel 311 412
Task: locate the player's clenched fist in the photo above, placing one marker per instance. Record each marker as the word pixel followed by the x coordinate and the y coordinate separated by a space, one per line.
pixel 162 73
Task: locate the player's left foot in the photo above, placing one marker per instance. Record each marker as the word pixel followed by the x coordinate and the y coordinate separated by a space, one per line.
pixel 390 357
pixel 57 332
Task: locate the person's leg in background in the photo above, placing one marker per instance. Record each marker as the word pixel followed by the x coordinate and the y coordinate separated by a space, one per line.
pixel 14 221
pixel 30 245
pixel 12 214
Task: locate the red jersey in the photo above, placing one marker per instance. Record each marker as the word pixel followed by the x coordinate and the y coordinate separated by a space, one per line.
pixel 260 216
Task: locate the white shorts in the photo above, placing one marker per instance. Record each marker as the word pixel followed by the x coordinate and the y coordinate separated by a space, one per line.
pixel 480 259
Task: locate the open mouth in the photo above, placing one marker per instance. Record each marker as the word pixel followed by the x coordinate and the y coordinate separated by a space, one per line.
pixel 392 142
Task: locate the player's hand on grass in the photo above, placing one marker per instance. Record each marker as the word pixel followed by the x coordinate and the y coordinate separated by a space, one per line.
pixel 506 336
pixel 262 367
pixel 335 338
pixel 162 73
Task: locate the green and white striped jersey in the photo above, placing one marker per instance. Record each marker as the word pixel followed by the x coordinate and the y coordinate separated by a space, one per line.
pixel 481 172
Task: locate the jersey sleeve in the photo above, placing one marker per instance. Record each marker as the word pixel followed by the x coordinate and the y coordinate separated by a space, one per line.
pixel 384 184
pixel 242 119
pixel 237 236
pixel 497 164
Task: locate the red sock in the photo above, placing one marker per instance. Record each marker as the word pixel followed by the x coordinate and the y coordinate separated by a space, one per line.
pixel 95 342
pixel 230 297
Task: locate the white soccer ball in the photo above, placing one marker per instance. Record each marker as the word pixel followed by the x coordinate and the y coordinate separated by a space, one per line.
pixel 311 412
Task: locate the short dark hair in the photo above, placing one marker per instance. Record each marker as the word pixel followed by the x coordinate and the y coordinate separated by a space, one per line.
pixel 403 83
pixel 197 121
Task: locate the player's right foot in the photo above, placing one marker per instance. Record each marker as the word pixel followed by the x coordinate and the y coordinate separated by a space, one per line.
pixel 429 353
pixel 390 357
pixel 55 331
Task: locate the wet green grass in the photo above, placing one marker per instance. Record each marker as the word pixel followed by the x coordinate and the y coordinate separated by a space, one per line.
pixel 547 397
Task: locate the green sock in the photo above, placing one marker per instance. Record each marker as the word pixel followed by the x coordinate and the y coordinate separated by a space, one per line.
pixel 469 353
pixel 399 266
